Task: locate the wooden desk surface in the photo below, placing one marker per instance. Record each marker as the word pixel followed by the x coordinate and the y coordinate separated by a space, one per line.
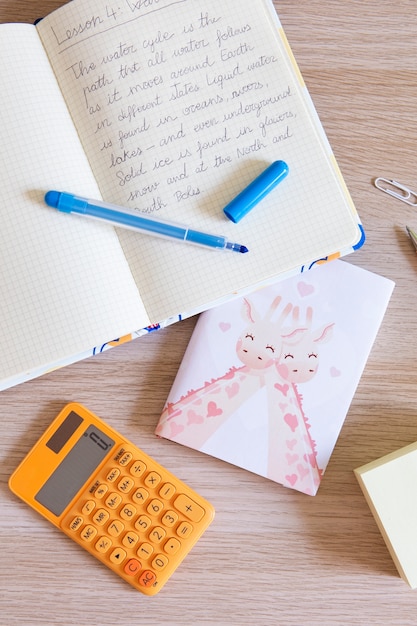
pixel 272 556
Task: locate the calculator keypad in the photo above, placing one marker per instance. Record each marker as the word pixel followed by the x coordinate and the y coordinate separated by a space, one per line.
pixel 138 519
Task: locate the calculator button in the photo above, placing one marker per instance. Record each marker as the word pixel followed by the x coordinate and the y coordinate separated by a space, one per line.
pixel 132 567
pixel 101 491
pixel 101 516
pixel 125 484
pixel 152 480
pixel 115 528
pixel 76 523
pixel 140 495
pixel 113 475
pixel 167 491
pixel 88 507
pixel 125 459
pixel 172 546
pixel 155 507
pixel 143 523
pixel 130 539
pixel 147 578
pixel 157 534
pixel 159 562
pixel 189 508
pixel 103 544
pixel 127 512
pixel 184 530
pixel 137 468
pixel 113 500
pixel 118 555
pixel 88 533
pixel 145 550
pixel 169 519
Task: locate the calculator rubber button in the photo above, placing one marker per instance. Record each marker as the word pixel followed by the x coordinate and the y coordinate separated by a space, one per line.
pixel 101 491
pixel 132 567
pixel 160 562
pixel 103 544
pixel 113 475
pixel 189 508
pixel 113 500
pixel 101 517
pixel 172 546
pixel 167 491
pixel 115 528
pixel 145 551
pixel 157 534
pixel 143 523
pixel 127 512
pixel 169 519
pixel 88 507
pixel 76 523
pixel 130 539
pixel 152 480
pixel 137 468
pixel 118 555
pixel 125 459
pixel 88 533
pixel 147 578
pixel 184 529
pixel 125 484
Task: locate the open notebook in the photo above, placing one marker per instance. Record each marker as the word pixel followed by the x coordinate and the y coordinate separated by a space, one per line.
pixel 267 380
pixel 170 108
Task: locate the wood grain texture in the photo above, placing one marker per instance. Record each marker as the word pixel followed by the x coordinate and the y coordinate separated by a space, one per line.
pixel 272 556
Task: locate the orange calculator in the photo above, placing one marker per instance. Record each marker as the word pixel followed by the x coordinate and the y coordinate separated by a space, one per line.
pixel 112 498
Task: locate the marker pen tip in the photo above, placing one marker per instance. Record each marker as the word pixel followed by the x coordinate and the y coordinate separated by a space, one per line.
pixel 236 247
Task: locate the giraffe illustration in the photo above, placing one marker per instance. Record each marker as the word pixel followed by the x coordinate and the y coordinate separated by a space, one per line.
pixel 193 418
pixel 300 363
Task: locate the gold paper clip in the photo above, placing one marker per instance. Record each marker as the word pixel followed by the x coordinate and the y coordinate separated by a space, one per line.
pixel 396 190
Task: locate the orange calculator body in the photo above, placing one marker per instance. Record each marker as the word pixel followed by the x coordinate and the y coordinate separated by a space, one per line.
pixel 111 498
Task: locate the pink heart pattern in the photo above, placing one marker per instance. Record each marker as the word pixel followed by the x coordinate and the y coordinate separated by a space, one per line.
pixel 194 418
pixel 282 388
pixel 334 372
pixel 310 458
pixel 291 443
pixel 213 410
pixel 291 458
pixel 224 326
pixel 291 478
pixel 291 420
pixel 232 390
pixel 304 289
pixel 302 471
pixel 176 429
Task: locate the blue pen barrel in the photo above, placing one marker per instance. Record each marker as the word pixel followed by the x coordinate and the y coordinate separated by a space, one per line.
pixel 127 218
pixel 205 239
pixel 136 222
pixel 255 191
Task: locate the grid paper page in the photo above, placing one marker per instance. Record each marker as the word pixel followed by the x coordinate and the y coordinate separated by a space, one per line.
pixel 180 105
pixel 65 284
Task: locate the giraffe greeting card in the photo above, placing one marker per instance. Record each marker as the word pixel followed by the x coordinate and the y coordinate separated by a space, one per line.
pixel 267 380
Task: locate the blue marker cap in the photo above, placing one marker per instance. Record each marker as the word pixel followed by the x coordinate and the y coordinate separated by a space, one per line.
pixel 255 191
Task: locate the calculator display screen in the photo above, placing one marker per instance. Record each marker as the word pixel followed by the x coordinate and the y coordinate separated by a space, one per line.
pixel 74 470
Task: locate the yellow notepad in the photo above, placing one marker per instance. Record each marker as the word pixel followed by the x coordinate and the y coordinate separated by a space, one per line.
pixel 170 108
pixel 388 484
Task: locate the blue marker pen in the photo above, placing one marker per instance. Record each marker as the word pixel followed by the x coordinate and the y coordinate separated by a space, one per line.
pixel 118 216
pixel 255 191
